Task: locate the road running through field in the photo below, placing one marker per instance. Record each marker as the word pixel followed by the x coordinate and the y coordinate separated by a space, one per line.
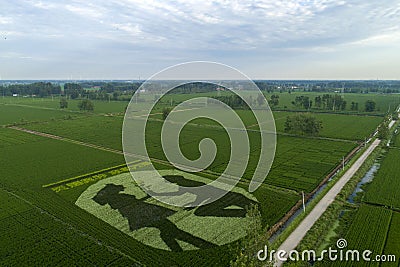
pixel 298 234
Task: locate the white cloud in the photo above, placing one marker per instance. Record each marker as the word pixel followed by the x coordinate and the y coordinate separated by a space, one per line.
pixel 85 11
pixel 5 20
pixel 226 30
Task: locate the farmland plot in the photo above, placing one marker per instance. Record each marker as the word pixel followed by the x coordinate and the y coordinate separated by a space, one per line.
pixel 384 188
pixel 367 232
pixel 32 238
pixel 392 246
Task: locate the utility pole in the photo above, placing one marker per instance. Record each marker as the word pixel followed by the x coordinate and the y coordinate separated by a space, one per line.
pixel 343 162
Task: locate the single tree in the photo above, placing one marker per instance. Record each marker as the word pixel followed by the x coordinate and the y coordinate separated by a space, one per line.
pixel 256 240
pixel 383 131
pixel 165 113
pixel 86 105
pixel 63 103
pixel 274 100
pixel 370 106
pixel 260 99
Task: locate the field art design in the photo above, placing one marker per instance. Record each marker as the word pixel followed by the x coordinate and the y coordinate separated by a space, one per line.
pixel 120 202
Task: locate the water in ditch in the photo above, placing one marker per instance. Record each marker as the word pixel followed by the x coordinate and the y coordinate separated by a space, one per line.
pixel 368 177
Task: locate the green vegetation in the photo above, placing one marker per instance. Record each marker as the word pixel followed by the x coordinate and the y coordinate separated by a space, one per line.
pixel 392 246
pixel 303 124
pixel 49 222
pixel 367 232
pixel 370 106
pixel 348 127
pixel 165 113
pixel 14 114
pixel 31 236
pixel 86 105
pixel 63 103
pixel 384 102
pixel 384 189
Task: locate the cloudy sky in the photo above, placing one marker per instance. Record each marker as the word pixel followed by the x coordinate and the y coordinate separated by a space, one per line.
pixel 271 39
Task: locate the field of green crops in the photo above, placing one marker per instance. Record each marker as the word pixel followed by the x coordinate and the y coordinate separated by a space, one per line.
pixel 392 246
pixel 10 114
pixel 384 189
pixel 349 127
pixel 300 163
pixel 53 104
pixel 49 222
pixel 31 237
pixel 367 232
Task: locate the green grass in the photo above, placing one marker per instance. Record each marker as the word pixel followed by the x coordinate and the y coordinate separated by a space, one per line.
pixel 392 246
pixel 349 127
pixel 48 103
pixel 10 114
pixel 300 163
pixel 99 130
pixel 367 232
pixel 31 237
pixel 29 161
pixel 36 160
pixel 384 188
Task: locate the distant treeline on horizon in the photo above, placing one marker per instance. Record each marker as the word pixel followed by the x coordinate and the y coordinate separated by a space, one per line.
pixel 103 89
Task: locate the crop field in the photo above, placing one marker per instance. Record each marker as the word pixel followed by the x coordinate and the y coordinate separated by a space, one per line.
pixel 383 189
pixel 396 140
pixel 300 163
pixel 392 246
pixel 127 202
pixel 367 232
pixel 64 183
pixel 348 127
pixel 54 104
pixel 10 114
pixel 32 237
pixel 32 161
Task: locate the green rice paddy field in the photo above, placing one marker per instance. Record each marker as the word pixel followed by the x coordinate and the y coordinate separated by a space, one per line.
pixel 50 225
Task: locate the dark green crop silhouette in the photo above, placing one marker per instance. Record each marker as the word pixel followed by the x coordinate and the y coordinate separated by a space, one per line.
pixel 141 214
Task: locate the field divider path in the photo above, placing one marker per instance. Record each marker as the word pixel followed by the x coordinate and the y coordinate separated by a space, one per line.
pixel 298 234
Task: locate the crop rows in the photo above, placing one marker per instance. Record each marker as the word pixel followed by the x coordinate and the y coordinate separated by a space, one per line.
pixel 300 163
pixel 367 232
pixel 349 127
pixel 384 188
pixel 30 237
pixel 392 246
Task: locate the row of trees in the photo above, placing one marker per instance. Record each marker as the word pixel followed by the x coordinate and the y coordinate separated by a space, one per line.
pixel 84 105
pixel 41 89
pixel 331 102
pixel 303 124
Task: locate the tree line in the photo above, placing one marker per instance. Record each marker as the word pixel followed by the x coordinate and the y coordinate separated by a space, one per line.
pixel 331 102
pixel 40 89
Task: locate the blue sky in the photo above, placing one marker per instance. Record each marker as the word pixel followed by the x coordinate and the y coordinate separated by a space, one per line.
pixel 128 39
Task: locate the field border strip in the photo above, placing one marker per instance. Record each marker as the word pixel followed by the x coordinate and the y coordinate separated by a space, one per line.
pixel 89 174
